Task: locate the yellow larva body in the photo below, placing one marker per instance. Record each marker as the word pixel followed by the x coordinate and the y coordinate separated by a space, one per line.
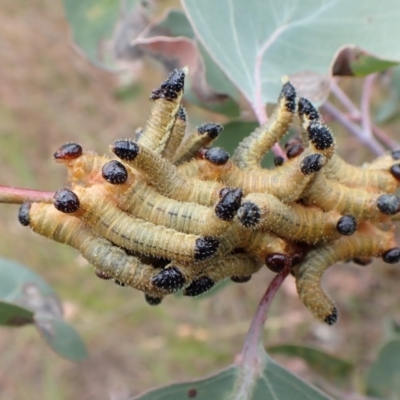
pixel 178 132
pixel 380 180
pixel 369 241
pixel 252 149
pixel 294 221
pixel 99 212
pixel 101 253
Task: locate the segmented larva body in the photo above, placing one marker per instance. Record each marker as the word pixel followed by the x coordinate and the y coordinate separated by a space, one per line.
pixel 203 136
pixel 165 176
pixel 111 260
pixel 295 221
pixel 385 161
pixel 177 135
pixel 369 241
pixel 97 210
pixel 331 195
pixel 167 101
pixel 252 149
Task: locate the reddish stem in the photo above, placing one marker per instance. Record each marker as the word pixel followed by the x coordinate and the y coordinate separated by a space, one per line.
pixel 14 195
pixel 250 356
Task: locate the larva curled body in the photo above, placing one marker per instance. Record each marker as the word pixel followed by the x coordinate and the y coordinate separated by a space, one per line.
pixel 369 241
pixel 252 149
pixel 294 221
pixel 98 211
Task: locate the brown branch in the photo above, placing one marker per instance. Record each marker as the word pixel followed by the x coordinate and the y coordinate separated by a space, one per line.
pixel 14 195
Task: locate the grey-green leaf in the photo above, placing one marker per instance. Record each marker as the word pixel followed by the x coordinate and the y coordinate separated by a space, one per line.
pixel 13 315
pixel 256 43
pixel 328 366
pixel 61 337
pixel 384 377
pixel 273 383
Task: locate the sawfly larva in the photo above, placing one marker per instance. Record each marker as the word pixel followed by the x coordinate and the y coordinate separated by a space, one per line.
pixel 369 241
pixel 177 135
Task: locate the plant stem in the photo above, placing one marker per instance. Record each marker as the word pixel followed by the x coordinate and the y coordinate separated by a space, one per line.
pixel 250 356
pixel 14 195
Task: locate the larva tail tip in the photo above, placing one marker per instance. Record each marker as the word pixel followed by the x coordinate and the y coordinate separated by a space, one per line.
pixel 68 151
pixel 289 94
pixel 171 87
pixel 125 149
pixel 306 108
pixel 320 136
pixel 217 156
pixel 169 279
pixel 395 171
pixel 152 300
pixel 312 163
pixel 210 129
pixel 249 214
pixel 119 283
pixel 240 279
pixel 392 256
pixel 66 201
pixel 346 225
pixel 294 151
pixel 199 286
pixel 23 214
pixel 102 275
pixel 114 172
pixel 332 317
pixel 277 262
pixel 278 161
pixel 396 154
pixel 363 261
pixel 389 204
pixel 206 247
pixel 230 202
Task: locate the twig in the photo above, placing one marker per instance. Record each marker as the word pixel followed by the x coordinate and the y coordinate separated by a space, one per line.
pixel 18 196
pixel 354 129
pixel 365 105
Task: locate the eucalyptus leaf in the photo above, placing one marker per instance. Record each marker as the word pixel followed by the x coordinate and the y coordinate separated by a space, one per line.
pixel 366 65
pixel 13 315
pixel 384 377
pixel 256 43
pixel 272 383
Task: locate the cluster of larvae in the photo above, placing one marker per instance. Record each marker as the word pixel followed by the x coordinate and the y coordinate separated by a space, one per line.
pixel 167 212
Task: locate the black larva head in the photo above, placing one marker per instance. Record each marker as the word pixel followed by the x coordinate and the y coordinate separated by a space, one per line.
pixel 217 156
pixel 332 317
pixel 240 279
pixel 395 171
pixel 320 136
pixel 288 92
pixel 396 154
pixel 206 247
pixel 199 286
pixel 114 172
pixel 68 151
pixel 346 225
pixel 278 161
pixel 182 115
pixel 102 275
pixel 152 300
pixel 171 87
pixel 389 204
pixel 169 279
pixel 249 214
pixel 312 163
pixel 210 129
pixel 23 214
pixel 229 204
pixel 66 201
pixel 392 256
pixel 277 262
pixel 125 149
pixel 306 108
